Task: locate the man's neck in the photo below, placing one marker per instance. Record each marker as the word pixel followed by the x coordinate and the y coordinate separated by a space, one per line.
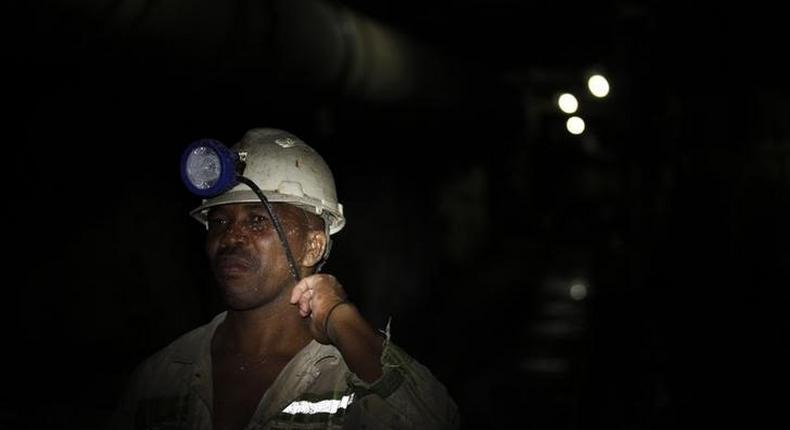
pixel 274 328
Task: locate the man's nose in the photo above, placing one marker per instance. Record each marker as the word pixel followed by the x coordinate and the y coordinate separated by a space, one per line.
pixel 237 232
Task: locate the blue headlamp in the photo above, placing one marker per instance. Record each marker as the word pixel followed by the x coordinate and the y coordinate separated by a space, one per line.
pixel 209 168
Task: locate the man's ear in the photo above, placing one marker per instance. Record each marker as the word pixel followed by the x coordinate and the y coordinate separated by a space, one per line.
pixel 315 245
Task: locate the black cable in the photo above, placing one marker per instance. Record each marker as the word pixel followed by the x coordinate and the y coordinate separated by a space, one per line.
pixel 276 222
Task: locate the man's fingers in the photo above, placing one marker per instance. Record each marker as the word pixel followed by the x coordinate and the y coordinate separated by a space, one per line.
pixel 298 291
pixel 322 287
pixel 301 296
pixel 304 303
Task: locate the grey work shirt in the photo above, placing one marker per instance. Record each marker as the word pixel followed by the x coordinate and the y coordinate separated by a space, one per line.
pixel 316 390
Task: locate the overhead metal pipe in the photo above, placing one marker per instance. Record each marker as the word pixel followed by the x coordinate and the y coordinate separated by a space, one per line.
pixel 305 42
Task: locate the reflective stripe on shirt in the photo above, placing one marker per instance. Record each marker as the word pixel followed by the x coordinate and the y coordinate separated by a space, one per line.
pixel 328 406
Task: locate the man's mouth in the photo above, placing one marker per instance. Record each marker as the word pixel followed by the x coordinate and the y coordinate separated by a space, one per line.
pixel 233 265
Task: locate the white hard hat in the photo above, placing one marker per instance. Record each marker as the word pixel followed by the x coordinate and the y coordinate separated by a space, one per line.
pixel 286 170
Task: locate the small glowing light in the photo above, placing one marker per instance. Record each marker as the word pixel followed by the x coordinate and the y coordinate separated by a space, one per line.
pixel 575 125
pixel 567 103
pixel 598 85
pixel 578 291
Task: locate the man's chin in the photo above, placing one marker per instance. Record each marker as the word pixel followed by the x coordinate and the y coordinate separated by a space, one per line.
pixel 239 298
pixel 235 303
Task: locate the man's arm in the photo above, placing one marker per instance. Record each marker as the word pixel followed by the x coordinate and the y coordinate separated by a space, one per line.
pixel 394 387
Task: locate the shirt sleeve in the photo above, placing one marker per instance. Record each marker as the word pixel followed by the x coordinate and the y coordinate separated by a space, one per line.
pixel 407 395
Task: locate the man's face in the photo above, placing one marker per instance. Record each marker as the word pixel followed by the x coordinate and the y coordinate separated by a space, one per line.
pixel 247 257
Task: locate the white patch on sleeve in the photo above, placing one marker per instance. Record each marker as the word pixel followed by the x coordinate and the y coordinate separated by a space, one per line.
pixel 329 406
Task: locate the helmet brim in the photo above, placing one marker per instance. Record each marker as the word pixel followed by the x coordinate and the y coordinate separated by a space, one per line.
pixel 333 216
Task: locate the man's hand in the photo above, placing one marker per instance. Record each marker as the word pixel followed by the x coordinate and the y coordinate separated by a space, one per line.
pixel 321 298
pixel 316 296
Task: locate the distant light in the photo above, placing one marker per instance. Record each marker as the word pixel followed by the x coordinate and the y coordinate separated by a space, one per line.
pixel 567 103
pixel 575 125
pixel 578 291
pixel 598 85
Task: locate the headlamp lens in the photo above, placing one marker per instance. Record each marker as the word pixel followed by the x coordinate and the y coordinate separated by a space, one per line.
pixel 208 168
pixel 203 167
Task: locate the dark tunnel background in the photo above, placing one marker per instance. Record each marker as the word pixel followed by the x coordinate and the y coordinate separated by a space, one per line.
pixel 633 277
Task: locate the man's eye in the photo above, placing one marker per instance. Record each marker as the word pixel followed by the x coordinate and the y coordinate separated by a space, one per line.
pixel 259 221
pixel 214 223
